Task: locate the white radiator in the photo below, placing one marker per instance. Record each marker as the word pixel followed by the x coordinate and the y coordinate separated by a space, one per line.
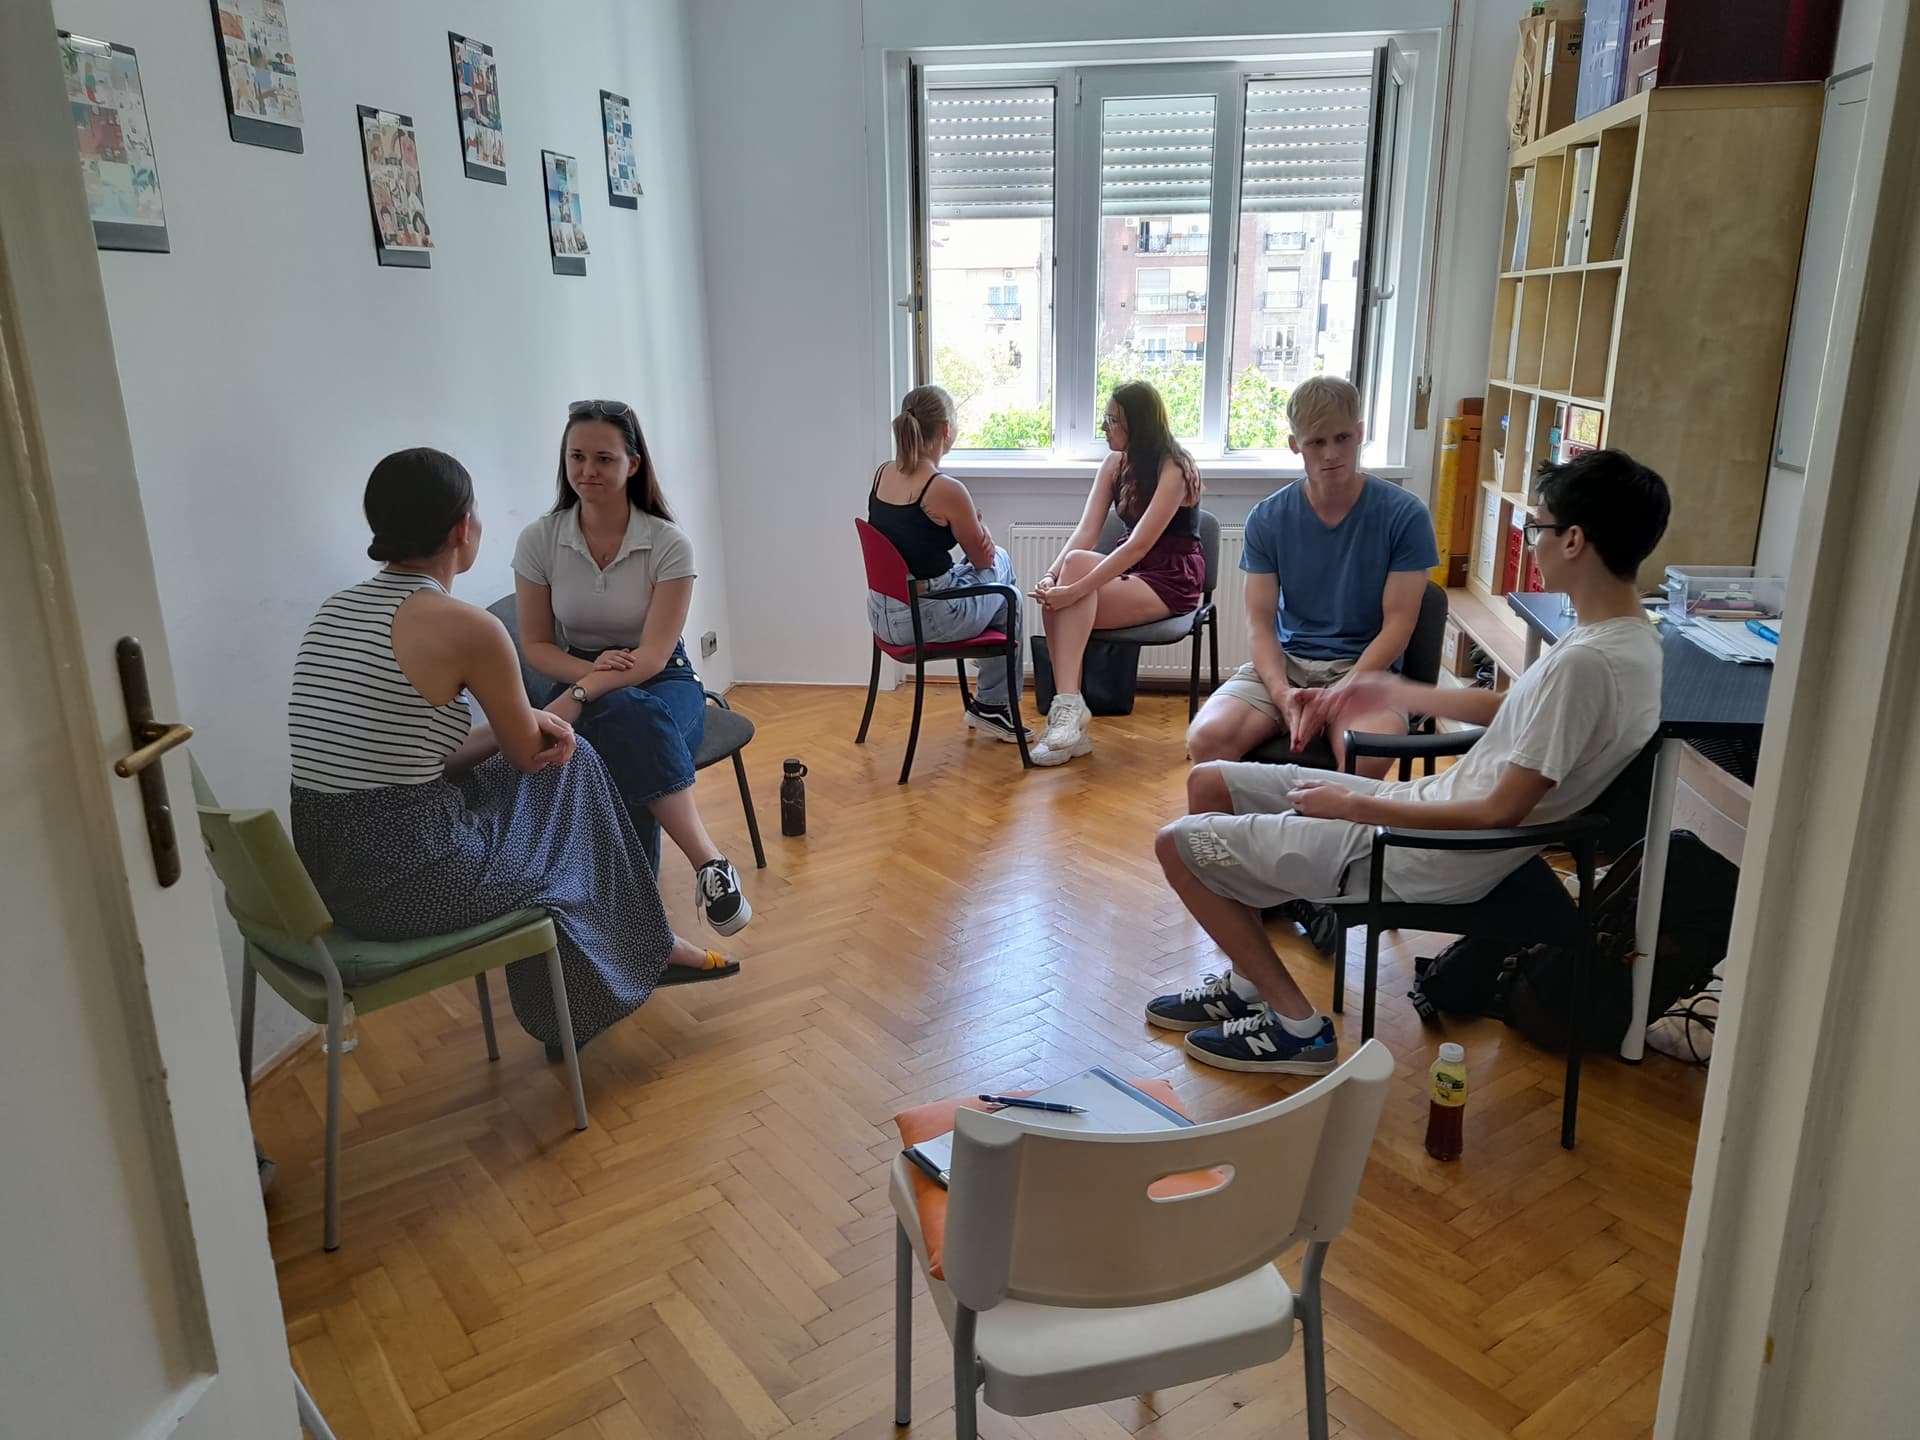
pixel 1034 547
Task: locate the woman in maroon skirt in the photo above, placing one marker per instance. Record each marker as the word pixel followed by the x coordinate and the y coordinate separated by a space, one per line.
pixel 1155 571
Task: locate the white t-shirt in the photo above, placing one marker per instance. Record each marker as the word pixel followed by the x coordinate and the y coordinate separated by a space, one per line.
pixel 1579 717
pixel 594 609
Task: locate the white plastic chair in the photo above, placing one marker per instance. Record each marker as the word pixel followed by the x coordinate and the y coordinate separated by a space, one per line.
pixel 1067 1284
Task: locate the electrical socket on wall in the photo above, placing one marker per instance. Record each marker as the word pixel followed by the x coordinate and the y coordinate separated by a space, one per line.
pixel 709 643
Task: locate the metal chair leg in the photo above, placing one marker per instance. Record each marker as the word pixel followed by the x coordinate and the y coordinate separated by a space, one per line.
pixel 1013 703
pixel 873 690
pixel 1372 983
pixel 902 1326
pixel 330 1224
pixel 966 1377
pixel 249 988
pixel 960 668
pixel 746 804
pixel 310 1417
pixel 1213 646
pixel 1313 1340
pixel 919 701
pixel 1339 961
pixel 557 979
pixel 1193 680
pixel 486 1014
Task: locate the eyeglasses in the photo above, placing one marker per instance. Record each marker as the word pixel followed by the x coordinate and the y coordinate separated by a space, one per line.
pixel 1533 530
pixel 1108 422
pixel 605 409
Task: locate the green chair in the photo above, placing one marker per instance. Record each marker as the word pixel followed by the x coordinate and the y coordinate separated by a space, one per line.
pixel 318 968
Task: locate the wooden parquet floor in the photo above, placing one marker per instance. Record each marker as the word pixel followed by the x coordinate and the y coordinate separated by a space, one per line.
pixel 712 1259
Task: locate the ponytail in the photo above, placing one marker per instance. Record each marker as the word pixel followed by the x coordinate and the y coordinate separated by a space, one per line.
pixel 917 427
pixel 909 442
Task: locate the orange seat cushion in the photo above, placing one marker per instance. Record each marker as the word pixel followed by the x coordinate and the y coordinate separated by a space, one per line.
pixel 924 1122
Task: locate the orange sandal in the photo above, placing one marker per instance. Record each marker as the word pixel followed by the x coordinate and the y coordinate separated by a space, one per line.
pixel 717 968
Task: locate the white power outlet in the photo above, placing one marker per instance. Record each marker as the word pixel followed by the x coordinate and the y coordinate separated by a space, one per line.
pixel 709 643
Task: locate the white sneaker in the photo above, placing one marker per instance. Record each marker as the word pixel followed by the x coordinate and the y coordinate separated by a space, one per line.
pixel 1066 734
pixel 1067 721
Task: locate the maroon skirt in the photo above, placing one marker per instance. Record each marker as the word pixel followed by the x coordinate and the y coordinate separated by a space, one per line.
pixel 1175 570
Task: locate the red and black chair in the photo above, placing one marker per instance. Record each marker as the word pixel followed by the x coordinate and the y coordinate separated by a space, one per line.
pixel 887 575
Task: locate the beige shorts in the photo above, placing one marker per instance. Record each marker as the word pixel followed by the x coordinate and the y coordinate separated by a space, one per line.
pixel 1263 854
pixel 1246 686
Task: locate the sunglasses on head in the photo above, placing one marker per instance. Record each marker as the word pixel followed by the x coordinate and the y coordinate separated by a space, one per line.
pixel 603 409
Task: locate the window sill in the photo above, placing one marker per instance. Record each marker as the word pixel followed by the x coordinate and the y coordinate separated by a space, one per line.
pixel 1225 476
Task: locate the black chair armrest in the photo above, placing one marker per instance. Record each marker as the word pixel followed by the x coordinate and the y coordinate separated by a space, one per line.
pixel 1395 747
pixel 959 592
pixel 1584 828
pixel 718 700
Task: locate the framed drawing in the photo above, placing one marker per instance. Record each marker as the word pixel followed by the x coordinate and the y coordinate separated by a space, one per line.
pixel 392 154
pixel 623 175
pixel 116 149
pixel 566 233
pixel 476 94
pixel 256 66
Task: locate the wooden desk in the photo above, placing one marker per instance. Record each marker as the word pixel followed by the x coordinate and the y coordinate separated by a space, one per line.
pixel 1701 698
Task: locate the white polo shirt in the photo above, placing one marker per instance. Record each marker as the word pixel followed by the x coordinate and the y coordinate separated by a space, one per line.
pixel 594 609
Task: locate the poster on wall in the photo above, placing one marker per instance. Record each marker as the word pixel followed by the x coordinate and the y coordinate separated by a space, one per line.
pixel 256 66
pixel 400 232
pixel 623 173
pixel 476 93
pixel 116 149
pixel 566 230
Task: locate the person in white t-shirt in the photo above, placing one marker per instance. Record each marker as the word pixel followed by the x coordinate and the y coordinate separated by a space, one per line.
pixel 1263 835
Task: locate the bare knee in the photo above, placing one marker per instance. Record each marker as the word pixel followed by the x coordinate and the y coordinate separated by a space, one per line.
pixel 1207 792
pixel 1166 849
pixel 1077 564
pixel 1210 739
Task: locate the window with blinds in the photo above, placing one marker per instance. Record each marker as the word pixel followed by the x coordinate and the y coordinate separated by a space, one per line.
pixel 988 257
pixel 1223 295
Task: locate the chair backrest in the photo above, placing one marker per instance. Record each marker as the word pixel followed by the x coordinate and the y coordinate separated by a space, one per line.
pixel 1421 660
pixel 507 611
pixel 1624 803
pixel 268 889
pixel 1062 1219
pixel 1206 522
pixel 887 571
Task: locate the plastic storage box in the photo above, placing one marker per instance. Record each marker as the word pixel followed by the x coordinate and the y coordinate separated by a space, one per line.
pixel 1727 592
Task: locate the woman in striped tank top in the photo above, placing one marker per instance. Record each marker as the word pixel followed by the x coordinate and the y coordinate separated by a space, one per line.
pixel 414 821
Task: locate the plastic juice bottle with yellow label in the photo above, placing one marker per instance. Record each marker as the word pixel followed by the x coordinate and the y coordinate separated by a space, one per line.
pixel 1449 1104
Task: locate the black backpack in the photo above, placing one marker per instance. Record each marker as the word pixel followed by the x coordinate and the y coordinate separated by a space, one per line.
pixel 1696 918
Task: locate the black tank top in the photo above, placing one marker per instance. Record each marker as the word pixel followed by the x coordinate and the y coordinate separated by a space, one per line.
pixel 925 546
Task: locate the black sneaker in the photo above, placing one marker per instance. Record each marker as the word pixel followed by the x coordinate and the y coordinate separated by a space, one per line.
pixel 1321 924
pixel 995 721
pixel 1260 1044
pixel 716 889
pixel 1212 1002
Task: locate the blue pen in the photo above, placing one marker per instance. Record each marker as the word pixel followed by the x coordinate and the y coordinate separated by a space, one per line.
pixel 1765 632
pixel 1020 1102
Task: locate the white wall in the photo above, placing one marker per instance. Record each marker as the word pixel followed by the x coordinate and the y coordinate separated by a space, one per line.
pixel 267 362
pixel 787 127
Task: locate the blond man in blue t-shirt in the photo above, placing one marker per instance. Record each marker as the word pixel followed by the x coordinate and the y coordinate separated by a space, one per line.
pixel 1336 569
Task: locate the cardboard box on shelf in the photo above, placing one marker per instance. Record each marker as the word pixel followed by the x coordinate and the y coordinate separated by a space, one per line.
pixel 1559 76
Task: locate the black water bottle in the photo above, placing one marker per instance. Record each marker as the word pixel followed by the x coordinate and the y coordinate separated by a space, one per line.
pixel 793 799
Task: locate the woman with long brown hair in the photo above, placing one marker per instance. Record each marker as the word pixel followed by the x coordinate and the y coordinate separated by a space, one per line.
pixel 1155 571
pixel 603 582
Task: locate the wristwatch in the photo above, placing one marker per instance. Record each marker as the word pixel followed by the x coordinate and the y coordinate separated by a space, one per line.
pixel 579 695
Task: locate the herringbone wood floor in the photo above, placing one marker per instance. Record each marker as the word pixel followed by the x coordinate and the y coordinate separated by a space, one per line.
pixel 712 1259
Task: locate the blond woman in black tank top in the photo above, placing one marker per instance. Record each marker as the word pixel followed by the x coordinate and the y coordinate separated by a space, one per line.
pixel 925 513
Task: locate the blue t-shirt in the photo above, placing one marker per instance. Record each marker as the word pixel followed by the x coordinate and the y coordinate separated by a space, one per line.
pixel 1331 579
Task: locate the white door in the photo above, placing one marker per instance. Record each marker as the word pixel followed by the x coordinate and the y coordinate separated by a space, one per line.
pixel 136 1290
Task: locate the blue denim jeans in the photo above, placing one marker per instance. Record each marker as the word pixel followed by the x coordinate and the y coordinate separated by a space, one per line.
pixel 648 735
pixel 962 619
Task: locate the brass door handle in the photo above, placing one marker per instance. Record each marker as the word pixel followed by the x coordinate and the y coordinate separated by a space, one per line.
pixel 152 739
pixel 159 739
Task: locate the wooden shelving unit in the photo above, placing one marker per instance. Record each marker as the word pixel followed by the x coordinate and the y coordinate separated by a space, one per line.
pixel 1672 324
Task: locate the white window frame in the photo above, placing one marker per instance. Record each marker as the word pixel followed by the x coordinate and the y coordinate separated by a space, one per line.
pixel 1415 66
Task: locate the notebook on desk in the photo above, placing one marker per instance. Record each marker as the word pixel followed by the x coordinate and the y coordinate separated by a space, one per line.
pixel 1112 1107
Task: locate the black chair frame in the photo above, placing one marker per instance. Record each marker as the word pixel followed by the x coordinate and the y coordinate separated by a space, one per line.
pixel 740 776
pixel 1494 916
pixel 958 651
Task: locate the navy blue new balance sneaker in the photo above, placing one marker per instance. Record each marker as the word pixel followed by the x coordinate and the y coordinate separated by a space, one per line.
pixel 1260 1044
pixel 1212 1002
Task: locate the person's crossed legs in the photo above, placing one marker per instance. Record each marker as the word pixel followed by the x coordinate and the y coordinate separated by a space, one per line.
pixel 1242 851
